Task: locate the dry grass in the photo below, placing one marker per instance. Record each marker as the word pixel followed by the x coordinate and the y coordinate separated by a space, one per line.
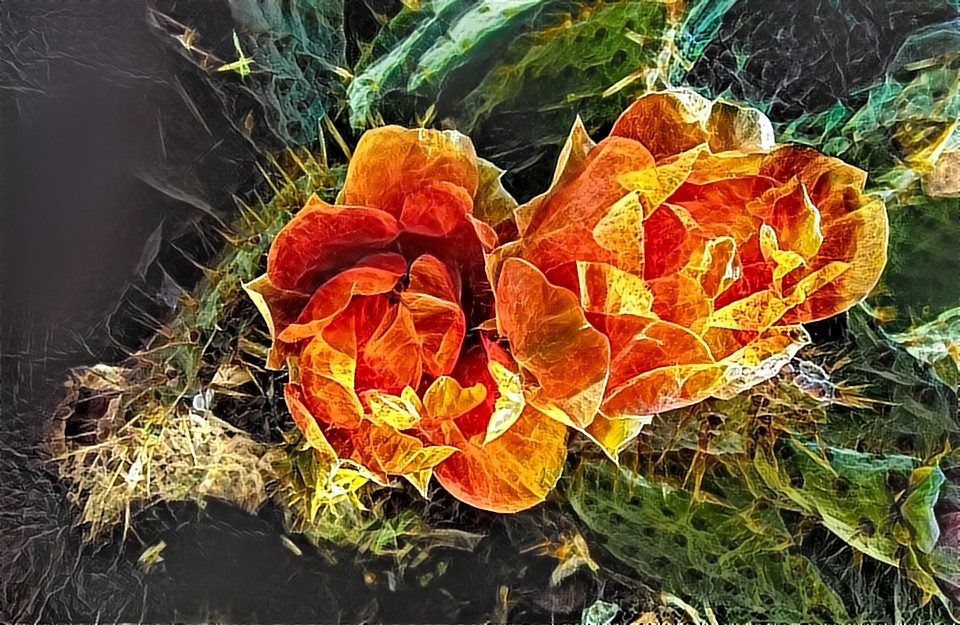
pixel 162 425
pixel 161 454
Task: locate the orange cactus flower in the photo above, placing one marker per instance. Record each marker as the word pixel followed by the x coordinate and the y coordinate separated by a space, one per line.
pixel 370 302
pixel 671 262
pixel 675 260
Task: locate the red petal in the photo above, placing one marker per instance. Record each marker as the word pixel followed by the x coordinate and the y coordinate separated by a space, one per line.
pixel 723 207
pixel 433 301
pixel 664 234
pixel 390 358
pixel 512 473
pixel 549 335
pixel 373 275
pixel 435 210
pixel 322 238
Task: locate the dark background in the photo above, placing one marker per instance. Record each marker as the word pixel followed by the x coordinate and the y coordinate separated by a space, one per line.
pixel 100 149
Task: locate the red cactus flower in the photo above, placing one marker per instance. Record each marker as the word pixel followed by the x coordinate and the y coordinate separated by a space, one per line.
pixel 369 302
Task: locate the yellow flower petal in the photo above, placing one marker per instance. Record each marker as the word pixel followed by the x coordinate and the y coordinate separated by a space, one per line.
pixel 400 413
pixel 509 405
pixel 446 399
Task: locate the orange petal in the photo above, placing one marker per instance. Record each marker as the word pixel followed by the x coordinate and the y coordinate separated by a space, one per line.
pixel 711 167
pixel 486 235
pixel 513 472
pixel 562 227
pixel 620 233
pixel 755 312
pixel 431 276
pixel 681 299
pixel 550 336
pixel 796 219
pixel 440 327
pixel 606 290
pixel 725 341
pixel 641 344
pixel 573 155
pixel 715 266
pixel 666 123
pixel 656 366
pixel 293 394
pixel 373 275
pixel 432 299
pixel 393 162
pixel 279 308
pixel 835 187
pixel 436 209
pixel 821 174
pixel 385 451
pixel 390 359
pixel 859 240
pixel 493 262
pixel 327 373
pixel 654 185
pixel 666 388
pixel 321 238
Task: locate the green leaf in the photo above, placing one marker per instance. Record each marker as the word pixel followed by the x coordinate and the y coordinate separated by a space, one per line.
pixel 476 32
pixel 514 73
pixel 706 550
pixel 922 278
pixel 917 507
pixel 936 344
pixel 700 26
pixel 846 489
pixel 530 97
pixel 908 408
pixel 600 613
pixel 390 72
